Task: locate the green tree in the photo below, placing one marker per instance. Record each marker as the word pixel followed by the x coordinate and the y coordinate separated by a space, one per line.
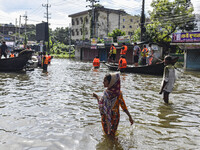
pixel 167 17
pixel 60 35
pixel 136 35
pixel 115 33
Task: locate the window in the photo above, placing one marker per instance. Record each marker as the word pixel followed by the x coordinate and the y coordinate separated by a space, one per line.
pixel 81 31
pixel 81 20
pixel 123 26
pixel 130 26
pixel 77 32
pixel 130 33
pixel 86 31
pixel 131 20
pixel 77 21
pixel 86 20
pixel 72 32
pixel 73 23
pixel 123 20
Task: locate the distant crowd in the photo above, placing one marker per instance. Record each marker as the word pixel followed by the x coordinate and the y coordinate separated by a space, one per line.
pixel 144 56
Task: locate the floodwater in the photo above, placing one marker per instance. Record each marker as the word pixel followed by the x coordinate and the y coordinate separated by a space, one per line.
pixel 56 111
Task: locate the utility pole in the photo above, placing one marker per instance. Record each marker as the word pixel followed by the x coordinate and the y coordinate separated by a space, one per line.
pixel 15 29
pixel 93 15
pixel 25 40
pixel 19 26
pixel 142 23
pixel 47 16
pixel 69 31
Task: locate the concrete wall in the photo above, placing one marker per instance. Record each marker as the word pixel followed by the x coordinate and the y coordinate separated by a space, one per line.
pixel 129 24
pixel 107 25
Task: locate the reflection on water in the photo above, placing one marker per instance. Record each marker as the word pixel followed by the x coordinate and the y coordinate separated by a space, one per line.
pixel 56 110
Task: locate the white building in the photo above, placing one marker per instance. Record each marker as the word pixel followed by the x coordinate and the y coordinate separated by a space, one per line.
pixel 105 21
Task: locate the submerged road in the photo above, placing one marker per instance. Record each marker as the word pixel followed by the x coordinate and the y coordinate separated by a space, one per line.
pixel 56 111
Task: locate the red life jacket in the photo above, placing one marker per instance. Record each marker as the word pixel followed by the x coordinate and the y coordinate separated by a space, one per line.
pixel 46 61
pixel 124 50
pixel 122 63
pixel 49 57
pixel 12 55
pixel 96 62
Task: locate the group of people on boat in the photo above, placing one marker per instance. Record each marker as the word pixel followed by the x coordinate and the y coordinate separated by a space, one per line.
pixel 6 53
pixel 145 56
pixel 112 56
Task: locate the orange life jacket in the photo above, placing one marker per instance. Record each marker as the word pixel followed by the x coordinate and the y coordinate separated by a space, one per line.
pixel 49 57
pixel 122 63
pixel 144 52
pixel 124 50
pixel 96 62
pixel 46 61
pixel 12 55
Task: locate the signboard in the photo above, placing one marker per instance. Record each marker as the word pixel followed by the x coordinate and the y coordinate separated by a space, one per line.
pixel 108 40
pixel 189 37
pixel 42 33
pixel 94 43
pixel 10 44
pixel 7 38
pixel 123 39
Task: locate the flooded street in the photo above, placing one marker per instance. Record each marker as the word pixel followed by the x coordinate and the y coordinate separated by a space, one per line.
pixel 56 111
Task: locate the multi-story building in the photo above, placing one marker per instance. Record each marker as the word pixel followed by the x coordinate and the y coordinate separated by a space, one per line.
pixel 105 21
pixel 9 30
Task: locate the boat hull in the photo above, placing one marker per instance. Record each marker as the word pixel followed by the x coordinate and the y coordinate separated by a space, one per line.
pixel 16 63
pixel 156 69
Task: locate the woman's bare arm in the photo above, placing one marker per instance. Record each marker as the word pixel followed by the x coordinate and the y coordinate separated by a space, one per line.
pixel 96 96
pixel 130 118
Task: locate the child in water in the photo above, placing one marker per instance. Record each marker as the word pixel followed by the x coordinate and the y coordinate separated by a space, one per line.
pixel 168 78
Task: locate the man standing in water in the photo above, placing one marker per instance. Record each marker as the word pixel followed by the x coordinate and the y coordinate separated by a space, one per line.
pixel 45 61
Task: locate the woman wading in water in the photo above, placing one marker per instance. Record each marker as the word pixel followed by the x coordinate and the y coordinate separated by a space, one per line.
pixel 109 104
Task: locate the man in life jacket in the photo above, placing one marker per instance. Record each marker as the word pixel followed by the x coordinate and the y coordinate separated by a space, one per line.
pixel 113 52
pixel 12 55
pixel 144 54
pixel 45 61
pixel 96 62
pixel 123 49
pixel 122 62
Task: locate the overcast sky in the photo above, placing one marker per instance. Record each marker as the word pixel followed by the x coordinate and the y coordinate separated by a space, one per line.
pixel 10 10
